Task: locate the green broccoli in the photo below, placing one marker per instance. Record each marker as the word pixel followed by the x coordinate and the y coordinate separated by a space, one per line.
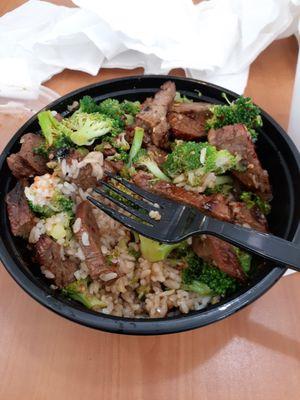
pixel 201 277
pixel 252 200
pixel 184 157
pixel 136 144
pixel 58 203
pixel 130 107
pixel 217 161
pixel 154 251
pixel 56 134
pixel 223 185
pixel 190 156
pixel 78 290
pixel 244 258
pixel 181 98
pixel 143 159
pixel 86 128
pixel 120 112
pixel 241 111
pixel 88 105
pixel 42 211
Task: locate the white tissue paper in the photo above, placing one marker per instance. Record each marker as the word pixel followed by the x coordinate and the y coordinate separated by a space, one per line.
pixel 214 41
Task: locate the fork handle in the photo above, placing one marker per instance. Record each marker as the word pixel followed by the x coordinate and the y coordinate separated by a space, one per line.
pixel 265 245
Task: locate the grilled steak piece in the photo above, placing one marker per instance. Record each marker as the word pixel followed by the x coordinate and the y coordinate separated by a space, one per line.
pixel 214 205
pixel 113 166
pixel 220 253
pixel 48 254
pixel 152 117
pixel 26 163
pixel 88 237
pixel 248 217
pixel 187 120
pixel 236 139
pixel 20 216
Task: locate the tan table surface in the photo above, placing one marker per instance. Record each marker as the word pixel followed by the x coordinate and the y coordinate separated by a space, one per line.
pixel 254 354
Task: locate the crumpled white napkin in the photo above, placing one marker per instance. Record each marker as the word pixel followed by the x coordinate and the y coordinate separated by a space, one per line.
pixel 215 40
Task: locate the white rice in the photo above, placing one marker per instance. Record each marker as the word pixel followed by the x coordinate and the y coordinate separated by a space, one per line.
pixel 77 225
pixel 155 215
pixel 85 239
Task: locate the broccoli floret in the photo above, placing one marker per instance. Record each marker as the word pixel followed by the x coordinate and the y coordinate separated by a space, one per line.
pixel 219 282
pixel 58 203
pixel 252 200
pixel 111 108
pixel 86 128
pixel 41 150
pixel 130 107
pixel 56 134
pixel 63 203
pixel 143 159
pixel 181 98
pixel 189 156
pixel 120 112
pixel 244 258
pixel 136 144
pixel 78 290
pixel 42 211
pixel 223 185
pixel 198 287
pixel 202 276
pixel 154 251
pixel 217 161
pixel 241 111
pixel 184 157
pixel 88 105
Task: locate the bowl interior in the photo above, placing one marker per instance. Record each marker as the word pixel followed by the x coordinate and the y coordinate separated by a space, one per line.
pixel 276 153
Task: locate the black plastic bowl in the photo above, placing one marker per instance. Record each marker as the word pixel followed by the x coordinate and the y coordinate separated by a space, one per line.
pixel 277 153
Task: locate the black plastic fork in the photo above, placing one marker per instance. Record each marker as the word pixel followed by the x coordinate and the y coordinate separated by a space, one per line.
pixel 167 221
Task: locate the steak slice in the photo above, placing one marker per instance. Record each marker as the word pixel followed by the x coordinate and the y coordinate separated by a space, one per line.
pixel 20 216
pixel 248 217
pixel 215 205
pixel 236 139
pixel 220 253
pixel 187 120
pixel 26 162
pixel 88 236
pixel 153 115
pixel 48 254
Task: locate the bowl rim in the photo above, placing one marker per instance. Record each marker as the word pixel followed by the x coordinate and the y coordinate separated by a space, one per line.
pixel 135 326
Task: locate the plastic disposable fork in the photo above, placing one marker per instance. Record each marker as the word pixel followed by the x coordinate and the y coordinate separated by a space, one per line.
pixel 167 221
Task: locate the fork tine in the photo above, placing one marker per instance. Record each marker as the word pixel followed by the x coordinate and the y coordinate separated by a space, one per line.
pixel 144 217
pixel 134 188
pixel 137 202
pixel 130 223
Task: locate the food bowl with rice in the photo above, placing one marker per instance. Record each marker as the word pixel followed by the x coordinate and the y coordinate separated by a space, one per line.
pixel 186 140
